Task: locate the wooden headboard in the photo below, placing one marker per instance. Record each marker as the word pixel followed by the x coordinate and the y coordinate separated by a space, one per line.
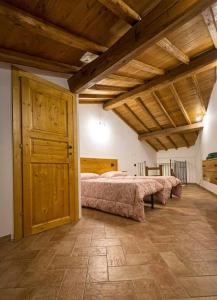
pixel 98 165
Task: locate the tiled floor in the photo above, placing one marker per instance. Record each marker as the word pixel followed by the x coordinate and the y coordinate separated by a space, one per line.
pixel 171 256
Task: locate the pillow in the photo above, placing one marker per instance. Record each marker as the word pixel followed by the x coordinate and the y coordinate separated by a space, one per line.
pixel 113 174
pixel 85 176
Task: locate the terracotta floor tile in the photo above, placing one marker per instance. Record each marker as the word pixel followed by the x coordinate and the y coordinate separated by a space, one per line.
pixel 14 294
pixel 128 272
pixel 200 286
pixel 204 267
pixel 109 290
pixel 88 251
pixel 64 248
pixel 129 246
pixel 115 256
pixel 144 261
pixel 73 292
pixel 74 276
pixel 97 269
pixel 175 264
pixel 41 278
pixel 147 289
pixel 168 283
pixel 68 262
pixel 105 242
pixel 143 258
pixel 42 293
pixel 11 276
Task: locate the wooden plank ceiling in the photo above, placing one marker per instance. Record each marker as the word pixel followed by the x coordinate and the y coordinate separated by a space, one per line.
pixel 155 60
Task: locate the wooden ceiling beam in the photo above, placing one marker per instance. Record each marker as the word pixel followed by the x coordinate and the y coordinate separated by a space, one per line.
pixel 132 127
pixel 136 117
pixel 15 57
pixel 125 79
pixel 169 131
pixel 103 87
pixel 156 97
pixel 209 19
pixel 147 111
pixel 150 143
pixel 125 120
pixel 203 62
pixel 21 18
pixel 185 140
pixel 170 48
pixel 179 103
pixel 172 142
pixel 198 91
pixel 121 10
pixel 162 144
pixel 146 67
pixel 165 18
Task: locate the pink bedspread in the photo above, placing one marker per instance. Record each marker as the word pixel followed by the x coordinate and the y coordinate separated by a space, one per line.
pixel 118 196
pixel 169 183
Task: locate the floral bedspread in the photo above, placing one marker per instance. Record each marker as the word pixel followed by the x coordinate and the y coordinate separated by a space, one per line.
pixel 120 196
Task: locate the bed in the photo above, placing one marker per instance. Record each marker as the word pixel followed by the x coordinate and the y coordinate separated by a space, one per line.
pixel 121 195
pixel 171 186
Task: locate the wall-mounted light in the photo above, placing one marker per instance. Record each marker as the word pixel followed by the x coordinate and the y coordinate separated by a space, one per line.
pixel 99 131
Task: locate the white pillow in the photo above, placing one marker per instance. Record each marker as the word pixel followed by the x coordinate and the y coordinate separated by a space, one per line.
pixel 113 174
pixel 85 176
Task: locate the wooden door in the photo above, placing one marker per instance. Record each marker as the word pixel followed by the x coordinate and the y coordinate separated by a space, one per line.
pixel 48 156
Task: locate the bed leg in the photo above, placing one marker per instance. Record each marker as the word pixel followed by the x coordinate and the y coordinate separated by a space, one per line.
pixel 152 201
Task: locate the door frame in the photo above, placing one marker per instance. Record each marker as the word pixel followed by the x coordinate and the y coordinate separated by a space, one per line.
pixel 17 149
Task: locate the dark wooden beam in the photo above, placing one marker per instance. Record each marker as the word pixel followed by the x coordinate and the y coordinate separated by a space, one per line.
pixel 21 18
pixel 201 63
pixel 169 131
pixel 165 18
pixel 15 57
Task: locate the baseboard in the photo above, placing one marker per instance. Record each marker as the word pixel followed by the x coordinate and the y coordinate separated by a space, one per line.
pixel 202 187
pixel 5 238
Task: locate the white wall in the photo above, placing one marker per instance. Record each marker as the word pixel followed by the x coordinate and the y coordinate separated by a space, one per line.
pixel 112 139
pixel 207 141
pixel 182 154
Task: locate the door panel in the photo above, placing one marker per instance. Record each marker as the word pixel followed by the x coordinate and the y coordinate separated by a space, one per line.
pixel 48 161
